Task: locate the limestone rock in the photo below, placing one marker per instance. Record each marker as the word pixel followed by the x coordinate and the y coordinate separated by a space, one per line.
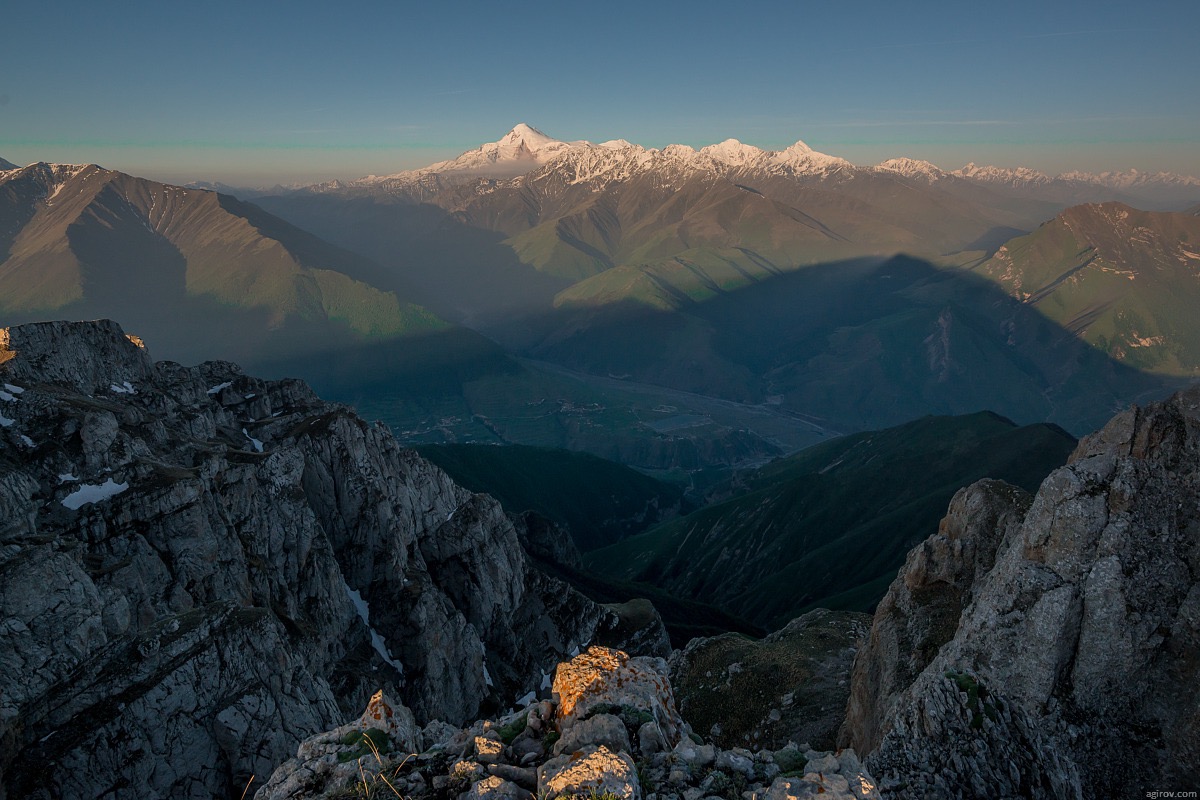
pixel 604 678
pixel 601 729
pixel 495 788
pixel 488 750
pixel 596 755
pixel 1071 671
pixel 393 719
pixel 820 785
pixel 200 569
pixel 594 769
pixel 640 628
pixel 921 610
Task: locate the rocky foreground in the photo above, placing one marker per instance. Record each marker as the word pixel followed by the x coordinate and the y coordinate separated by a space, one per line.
pixel 610 730
pixel 199 568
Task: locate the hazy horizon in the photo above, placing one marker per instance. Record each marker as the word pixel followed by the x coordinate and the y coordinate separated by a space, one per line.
pixel 247 96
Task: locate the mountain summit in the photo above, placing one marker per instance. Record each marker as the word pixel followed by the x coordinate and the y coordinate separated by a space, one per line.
pixel 522 149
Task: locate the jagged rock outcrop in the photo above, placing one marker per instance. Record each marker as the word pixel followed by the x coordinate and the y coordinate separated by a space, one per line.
pixel 921 610
pixel 610 729
pixel 1071 672
pixel 791 685
pixel 199 569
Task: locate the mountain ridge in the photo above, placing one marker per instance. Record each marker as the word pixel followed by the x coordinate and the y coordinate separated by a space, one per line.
pixel 170 260
pixel 525 147
pixel 1120 278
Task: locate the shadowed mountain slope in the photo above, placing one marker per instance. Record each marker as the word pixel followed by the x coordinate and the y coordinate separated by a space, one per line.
pixel 829 526
pixel 855 345
pixel 204 274
pixel 597 501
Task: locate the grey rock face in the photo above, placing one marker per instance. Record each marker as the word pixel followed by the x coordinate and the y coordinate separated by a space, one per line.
pixel 1071 672
pixel 921 610
pixel 199 569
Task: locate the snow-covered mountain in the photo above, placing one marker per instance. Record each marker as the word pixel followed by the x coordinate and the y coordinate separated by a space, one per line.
pixel 525 150
pixel 1152 190
pixel 913 168
pixel 589 222
pixel 1016 178
pixel 522 149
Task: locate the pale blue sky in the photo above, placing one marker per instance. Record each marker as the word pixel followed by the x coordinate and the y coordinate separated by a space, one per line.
pixel 301 91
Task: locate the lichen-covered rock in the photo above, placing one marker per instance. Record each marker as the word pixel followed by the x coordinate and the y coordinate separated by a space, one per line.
pixel 602 678
pixel 1071 673
pixel 826 786
pixel 496 788
pixel 358 753
pixel 394 719
pixel 594 770
pixel 199 569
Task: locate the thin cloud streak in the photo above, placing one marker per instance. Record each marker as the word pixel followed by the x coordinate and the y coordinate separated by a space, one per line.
pixel 992 40
pixel 983 122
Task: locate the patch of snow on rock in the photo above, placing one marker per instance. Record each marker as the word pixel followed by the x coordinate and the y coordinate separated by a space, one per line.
pixel 93 493
pixel 377 641
pixel 256 443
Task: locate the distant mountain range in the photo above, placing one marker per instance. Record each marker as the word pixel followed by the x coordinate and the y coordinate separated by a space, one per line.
pixel 769 279
pixel 204 273
pixel 505 227
pixel 525 149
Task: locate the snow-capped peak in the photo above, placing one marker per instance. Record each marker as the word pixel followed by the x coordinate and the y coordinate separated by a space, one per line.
pixel 527 135
pixel 732 152
pixel 51 178
pixel 1013 177
pixel 523 151
pixel 1130 178
pixel 518 152
pixel 912 168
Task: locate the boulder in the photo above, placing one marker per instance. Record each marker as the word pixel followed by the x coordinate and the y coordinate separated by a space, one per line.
pixel 602 678
pixel 593 770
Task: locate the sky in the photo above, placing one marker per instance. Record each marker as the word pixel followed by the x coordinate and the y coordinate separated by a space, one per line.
pixel 257 93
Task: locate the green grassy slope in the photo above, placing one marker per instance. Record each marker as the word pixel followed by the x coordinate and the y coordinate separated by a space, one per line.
pixel 1121 279
pixel 198 274
pixel 598 501
pixel 830 526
